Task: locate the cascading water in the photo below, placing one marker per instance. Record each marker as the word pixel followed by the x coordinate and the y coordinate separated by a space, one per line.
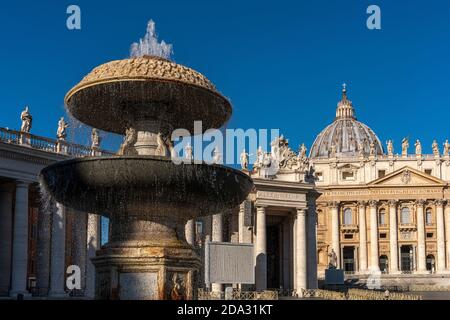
pixel 147 197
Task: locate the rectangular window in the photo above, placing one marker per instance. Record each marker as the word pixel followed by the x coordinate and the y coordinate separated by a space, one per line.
pixel 429 171
pixel 346 175
pixel 381 173
pixel 383 235
pixel 348 236
pixel 429 235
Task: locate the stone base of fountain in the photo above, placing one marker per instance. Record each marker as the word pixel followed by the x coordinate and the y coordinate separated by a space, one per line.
pixel 160 266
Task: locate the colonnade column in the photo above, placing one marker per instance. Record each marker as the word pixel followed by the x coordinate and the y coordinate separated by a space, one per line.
pixel 421 256
pixel 217 236
pixel 241 221
pixel 93 239
pixel 261 249
pixel 335 235
pixel 20 241
pixel 301 251
pixel 393 237
pixel 6 233
pixel 190 232
pixel 43 248
pixel 374 256
pixel 440 235
pixel 312 245
pixel 447 233
pixel 362 236
pixel 57 266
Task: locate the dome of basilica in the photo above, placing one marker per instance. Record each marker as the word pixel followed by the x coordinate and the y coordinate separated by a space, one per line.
pixel 346 136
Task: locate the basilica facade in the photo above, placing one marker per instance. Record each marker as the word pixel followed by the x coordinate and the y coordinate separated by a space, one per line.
pixel 385 215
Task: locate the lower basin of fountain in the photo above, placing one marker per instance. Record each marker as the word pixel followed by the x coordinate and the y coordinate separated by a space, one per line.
pixel 148 199
pixel 146 187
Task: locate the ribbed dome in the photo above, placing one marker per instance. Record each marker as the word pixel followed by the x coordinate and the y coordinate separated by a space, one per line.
pixel 345 135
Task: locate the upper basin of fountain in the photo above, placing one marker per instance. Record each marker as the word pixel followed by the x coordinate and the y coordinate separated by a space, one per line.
pixel 116 95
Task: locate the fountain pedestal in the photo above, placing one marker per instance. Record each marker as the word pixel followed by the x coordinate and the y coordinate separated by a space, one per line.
pixel 146 261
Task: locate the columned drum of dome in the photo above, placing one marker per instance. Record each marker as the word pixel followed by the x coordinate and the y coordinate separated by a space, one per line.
pixel 346 136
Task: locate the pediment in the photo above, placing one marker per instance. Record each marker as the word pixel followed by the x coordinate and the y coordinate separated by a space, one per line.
pixel 407 176
pixel 349 167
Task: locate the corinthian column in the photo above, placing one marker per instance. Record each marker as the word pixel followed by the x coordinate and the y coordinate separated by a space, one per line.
pixel 374 256
pixel 362 237
pixel 440 235
pixel 57 267
pixel 6 232
pixel 312 245
pixel 447 233
pixel 217 236
pixel 393 237
pixel 93 239
pixel 421 256
pixel 190 232
pixel 261 249
pixel 335 241
pixel 20 241
pixel 301 251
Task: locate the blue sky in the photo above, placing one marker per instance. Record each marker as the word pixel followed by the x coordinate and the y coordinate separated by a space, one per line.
pixel 281 63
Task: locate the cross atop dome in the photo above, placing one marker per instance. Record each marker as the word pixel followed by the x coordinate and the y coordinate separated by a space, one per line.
pixel 345 107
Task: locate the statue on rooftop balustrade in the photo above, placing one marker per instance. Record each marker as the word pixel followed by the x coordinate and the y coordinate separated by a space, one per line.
pixel 27 120
pixel 435 148
pixel 96 139
pixel 61 134
pixel 405 146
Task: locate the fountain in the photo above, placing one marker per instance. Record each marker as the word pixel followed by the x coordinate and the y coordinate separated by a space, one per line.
pixel 147 196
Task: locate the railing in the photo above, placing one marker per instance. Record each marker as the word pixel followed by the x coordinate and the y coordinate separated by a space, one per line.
pixel 48 145
pixel 407 226
pixel 238 295
pixel 358 294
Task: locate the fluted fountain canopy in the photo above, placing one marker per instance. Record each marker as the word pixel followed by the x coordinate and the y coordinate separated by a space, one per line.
pixel 114 95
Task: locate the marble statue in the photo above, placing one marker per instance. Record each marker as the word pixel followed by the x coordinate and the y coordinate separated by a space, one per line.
pixel 259 157
pixel 127 147
pixel 62 132
pixel 332 261
pixel 435 148
pixel 446 147
pixel 302 152
pixel 390 148
pixel 178 289
pixel 27 120
pixel 161 149
pixel 405 146
pixel 188 154
pixel 244 160
pixel 95 139
pixel 418 146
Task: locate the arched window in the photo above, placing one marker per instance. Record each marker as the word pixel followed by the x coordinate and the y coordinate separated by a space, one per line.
pixel 348 216
pixel 382 220
pixel 429 216
pixel 405 216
